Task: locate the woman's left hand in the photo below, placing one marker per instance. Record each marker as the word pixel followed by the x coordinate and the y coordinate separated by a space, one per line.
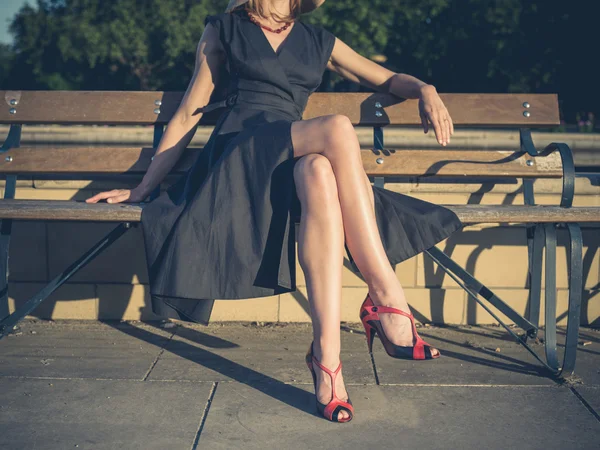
pixel 432 110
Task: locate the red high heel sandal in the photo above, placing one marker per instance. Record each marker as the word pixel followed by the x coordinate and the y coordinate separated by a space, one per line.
pixel 332 409
pixel 369 315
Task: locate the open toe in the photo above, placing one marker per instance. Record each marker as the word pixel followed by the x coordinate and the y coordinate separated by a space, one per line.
pixel 334 409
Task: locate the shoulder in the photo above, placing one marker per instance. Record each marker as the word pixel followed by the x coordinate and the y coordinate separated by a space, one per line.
pixel 317 30
pixel 219 19
pixel 224 23
pixel 323 38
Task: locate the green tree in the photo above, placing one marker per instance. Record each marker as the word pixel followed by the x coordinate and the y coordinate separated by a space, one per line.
pixel 91 44
pixel 6 62
pixel 458 45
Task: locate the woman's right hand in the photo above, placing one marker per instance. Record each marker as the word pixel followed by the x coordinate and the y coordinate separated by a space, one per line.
pixel 118 196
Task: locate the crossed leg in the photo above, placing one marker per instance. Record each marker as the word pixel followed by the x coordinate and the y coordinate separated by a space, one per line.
pixel 333 137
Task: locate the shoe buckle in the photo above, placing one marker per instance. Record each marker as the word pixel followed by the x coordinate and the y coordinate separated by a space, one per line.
pixel 374 309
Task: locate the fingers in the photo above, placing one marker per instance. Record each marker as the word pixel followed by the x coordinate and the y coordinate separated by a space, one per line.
pixel 118 198
pixel 101 196
pixel 442 124
pixel 444 127
pixel 438 127
pixel 424 121
pixel 114 196
pixel 445 124
pixel 449 126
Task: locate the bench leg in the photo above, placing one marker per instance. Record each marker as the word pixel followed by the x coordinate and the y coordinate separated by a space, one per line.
pixel 13 140
pixel 7 324
pixel 5 232
pixel 544 235
pixel 575 269
pixel 5 229
pixel 535 238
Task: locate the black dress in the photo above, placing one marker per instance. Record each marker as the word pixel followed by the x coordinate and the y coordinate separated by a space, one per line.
pixel 226 229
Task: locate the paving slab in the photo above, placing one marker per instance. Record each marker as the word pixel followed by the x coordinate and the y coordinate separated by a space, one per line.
pixel 248 353
pixel 81 349
pixel 587 366
pixel 449 417
pixel 100 414
pixel 591 395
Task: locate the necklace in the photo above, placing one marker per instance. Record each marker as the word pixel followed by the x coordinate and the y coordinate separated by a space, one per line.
pixel 277 30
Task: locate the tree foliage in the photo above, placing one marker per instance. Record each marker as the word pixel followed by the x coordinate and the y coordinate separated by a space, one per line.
pixel 92 44
pixel 458 45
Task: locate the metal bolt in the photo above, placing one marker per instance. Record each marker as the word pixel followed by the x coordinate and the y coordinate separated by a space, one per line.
pixel 157 102
pixel 378 113
pixel 8 159
pixel 529 162
pixel 526 105
pixel 157 111
pixel 377 105
pixel 14 101
pixel 12 110
pixel 526 113
pixel 379 160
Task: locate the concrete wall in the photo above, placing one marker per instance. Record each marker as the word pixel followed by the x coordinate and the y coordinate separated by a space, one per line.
pixel 114 285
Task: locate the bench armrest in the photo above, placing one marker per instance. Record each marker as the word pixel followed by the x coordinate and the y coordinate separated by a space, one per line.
pixel 568 163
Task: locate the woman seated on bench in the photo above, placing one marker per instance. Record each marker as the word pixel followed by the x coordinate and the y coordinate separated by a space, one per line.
pixel 226 229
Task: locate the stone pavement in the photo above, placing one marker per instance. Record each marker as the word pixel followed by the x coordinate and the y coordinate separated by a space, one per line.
pixel 112 385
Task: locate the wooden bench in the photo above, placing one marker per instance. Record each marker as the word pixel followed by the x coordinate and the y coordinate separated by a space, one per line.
pixel 521 111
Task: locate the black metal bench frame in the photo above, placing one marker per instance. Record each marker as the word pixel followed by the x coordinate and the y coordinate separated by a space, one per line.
pixel 539 236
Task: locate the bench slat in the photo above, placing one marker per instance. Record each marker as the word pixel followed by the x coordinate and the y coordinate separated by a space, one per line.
pixel 138 107
pixel 490 110
pixel 126 212
pixel 135 160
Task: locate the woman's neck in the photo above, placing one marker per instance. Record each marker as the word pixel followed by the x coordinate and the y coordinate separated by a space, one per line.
pixel 279 7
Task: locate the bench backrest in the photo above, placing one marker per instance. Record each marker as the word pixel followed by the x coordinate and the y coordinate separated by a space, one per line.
pixel 369 109
pixel 364 109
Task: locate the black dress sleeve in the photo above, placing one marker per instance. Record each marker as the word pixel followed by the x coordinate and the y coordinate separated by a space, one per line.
pixel 223 25
pixel 328 43
pixel 222 22
pixel 325 41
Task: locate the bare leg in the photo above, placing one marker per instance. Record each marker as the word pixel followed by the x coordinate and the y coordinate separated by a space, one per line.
pixel 334 137
pixel 320 254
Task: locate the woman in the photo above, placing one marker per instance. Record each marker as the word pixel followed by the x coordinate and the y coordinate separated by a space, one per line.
pixel 226 229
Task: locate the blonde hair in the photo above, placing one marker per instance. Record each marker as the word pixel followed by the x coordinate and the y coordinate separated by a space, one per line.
pixel 257 8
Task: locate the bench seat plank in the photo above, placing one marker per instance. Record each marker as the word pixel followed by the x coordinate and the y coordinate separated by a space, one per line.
pixel 69 210
pixel 131 212
pixel 158 107
pixel 402 162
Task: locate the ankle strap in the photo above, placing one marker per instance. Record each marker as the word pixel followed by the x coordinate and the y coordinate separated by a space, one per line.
pixel 387 309
pixel 332 375
pixel 330 372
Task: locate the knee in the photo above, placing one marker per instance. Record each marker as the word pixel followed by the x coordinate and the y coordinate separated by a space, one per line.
pixel 340 133
pixel 340 126
pixel 314 173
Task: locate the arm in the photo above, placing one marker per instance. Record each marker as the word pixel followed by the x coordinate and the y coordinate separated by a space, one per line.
pixel 351 65
pixel 182 126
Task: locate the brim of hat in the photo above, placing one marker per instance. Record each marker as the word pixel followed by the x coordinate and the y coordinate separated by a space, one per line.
pixel 306 5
